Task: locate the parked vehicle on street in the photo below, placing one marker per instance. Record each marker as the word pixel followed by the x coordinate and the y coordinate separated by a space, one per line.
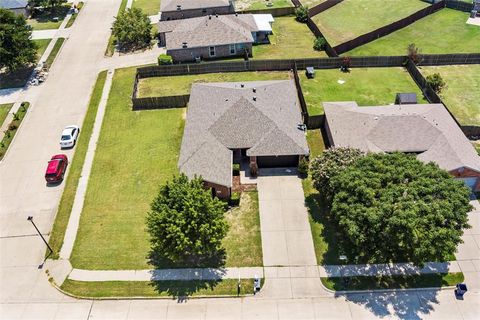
pixel 56 168
pixel 69 136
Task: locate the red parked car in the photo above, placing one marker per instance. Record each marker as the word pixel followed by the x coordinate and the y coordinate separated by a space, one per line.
pixel 56 168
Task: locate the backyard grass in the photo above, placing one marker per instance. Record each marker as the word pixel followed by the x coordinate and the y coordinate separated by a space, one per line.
pixel 315 142
pixel 442 32
pixel 311 3
pixel 434 280
pixel 290 39
pixel 243 242
pixel 4 108
pixel 226 287
pixel 462 94
pixel 19 77
pixel 149 7
pixel 44 21
pixel 261 4
pixel 352 18
pixel 13 128
pixel 366 86
pixel 75 168
pixel 53 54
pixel 74 15
pixel 178 85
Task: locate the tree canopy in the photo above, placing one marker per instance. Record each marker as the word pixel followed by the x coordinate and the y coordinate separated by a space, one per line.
pixel 132 29
pixel 16 48
pixel 185 221
pixel 395 208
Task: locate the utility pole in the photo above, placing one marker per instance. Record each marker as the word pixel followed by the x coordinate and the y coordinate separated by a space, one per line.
pixel 30 218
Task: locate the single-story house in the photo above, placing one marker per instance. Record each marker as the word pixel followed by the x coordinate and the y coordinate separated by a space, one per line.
pixel 212 37
pixel 257 120
pixel 427 130
pixel 16 6
pixel 184 9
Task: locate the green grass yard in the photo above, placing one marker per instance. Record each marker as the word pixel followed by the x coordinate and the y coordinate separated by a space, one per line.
pixel 178 85
pixel 290 39
pixel 4 109
pixel 261 4
pixel 311 3
pixel 462 94
pixel 149 7
pixel 366 86
pixel 352 18
pixel 45 20
pixel 442 32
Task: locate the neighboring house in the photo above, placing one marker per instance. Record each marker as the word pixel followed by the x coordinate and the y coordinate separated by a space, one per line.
pixel 16 6
pixel 213 37
pixel 184 9
pixel 427 130
pixel 258 120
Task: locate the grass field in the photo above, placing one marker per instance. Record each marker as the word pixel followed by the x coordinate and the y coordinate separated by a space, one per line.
pixel 19 77
pixel 4 108
pixel 178 85
pixel 366 86
pixel 75 168
pixel 394 282
pixel 261 4
pixel 442 32
pixel 290 39
pixel 149 7
pixel 462 94
pixel 352 18
pixel 195 288
pixel 46 21
pixel 312 3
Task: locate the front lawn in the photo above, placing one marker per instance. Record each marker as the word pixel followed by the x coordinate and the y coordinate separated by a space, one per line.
pixel 47 19
pixel 19 77
pixel 352 18
pixel 462 93
pixel 442 32
pixel 149 7
pixel 290 39
pixel 261 4
pixel 178 85
pixel 4 109
pixel 366 86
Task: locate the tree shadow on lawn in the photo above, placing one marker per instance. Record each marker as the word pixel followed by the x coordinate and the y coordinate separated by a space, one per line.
pixel 15 79
pixel 48 15
pixel 182 290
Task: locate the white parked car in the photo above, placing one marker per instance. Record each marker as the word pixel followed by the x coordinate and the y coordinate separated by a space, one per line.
pixel 69 136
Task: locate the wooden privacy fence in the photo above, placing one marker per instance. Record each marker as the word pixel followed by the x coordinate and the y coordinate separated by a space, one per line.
pixel 165 102
pixel 459 5
pixel 385 30
pixel 449 59
pixel 322 7
pixel 276 12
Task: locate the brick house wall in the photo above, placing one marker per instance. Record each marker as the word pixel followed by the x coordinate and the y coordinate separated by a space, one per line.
pixel 192 13
pixel 466 172
pixel 220 191
pixel 223 51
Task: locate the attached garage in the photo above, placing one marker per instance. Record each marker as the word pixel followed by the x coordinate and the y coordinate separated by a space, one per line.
pixel 277 161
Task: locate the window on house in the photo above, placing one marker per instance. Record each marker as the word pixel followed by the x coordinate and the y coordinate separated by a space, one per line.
pixel 211 51
pixel 204 10
pixel 232 49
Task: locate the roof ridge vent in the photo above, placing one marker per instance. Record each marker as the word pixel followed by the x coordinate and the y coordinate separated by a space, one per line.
pixel 254 90
pixel 179 7
pixel 254 98
pixel 242 85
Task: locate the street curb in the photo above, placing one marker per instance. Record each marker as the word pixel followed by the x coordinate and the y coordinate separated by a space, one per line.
pixel 16 133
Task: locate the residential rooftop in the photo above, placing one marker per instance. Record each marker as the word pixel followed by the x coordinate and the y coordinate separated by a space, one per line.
pixel 13 4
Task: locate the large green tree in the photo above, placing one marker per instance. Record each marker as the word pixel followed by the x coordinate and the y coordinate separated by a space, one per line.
pixel 132 29
pixel 185 222
pixel 395 208
pixel 16 48
pixel 328 164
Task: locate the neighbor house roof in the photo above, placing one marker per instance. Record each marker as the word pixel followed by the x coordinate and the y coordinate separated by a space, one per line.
pixel 13 4
pixel 225 116
pixel 425 129
pixel 171 5
pixel 208 31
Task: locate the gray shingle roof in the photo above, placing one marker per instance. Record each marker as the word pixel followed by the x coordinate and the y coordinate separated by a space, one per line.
pixel 426 129
pixel 13 4
pixel 171 5
pixel 208 31
pixel 224 116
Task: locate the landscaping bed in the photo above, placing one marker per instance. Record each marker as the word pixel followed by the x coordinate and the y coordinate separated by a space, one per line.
pixel 13 128
pixel 434 280
pixel 179 85
pixel 443 32
pixel 195 288
pixel 366 86
pixel 149 7
pixel 290 39
pixel 352 18
pixel 462 93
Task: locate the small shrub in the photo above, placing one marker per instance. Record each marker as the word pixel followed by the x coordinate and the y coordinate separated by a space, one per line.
pixel 7 133
pixel 413 52
pixel 303 166
pixel 436 82
pixel 236 169
pixel 12 126
pixel 164 59
pixel 15 116
pixel 301 14
pixel 235 199
pixel 319 44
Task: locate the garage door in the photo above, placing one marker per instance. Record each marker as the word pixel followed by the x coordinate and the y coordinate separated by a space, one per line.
pixel 276 162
